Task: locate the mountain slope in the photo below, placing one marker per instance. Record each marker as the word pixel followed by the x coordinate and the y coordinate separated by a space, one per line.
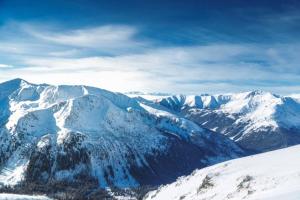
pixel 257 120
pixel 274 175
pixel 22 197
pixel 81 134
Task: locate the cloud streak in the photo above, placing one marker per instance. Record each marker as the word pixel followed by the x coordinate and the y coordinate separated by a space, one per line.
pixel 5 66
pixel 112 57
pixel 108 37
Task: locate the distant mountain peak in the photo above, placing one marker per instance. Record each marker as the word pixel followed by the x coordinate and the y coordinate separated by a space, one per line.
pixel 256 119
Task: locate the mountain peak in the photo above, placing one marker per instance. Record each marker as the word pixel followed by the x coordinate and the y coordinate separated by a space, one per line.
pixel 8 87
pixel 256 93
pixel 16 81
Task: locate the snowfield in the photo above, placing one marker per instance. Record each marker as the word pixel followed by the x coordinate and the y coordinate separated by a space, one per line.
pixel 22 197
pixel 269 176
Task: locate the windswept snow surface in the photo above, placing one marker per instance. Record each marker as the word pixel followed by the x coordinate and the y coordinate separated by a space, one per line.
pixel 269 176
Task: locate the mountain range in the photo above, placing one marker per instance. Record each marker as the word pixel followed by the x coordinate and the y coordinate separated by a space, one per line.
pixel 75 134
pixel 257 120
pixel 78 134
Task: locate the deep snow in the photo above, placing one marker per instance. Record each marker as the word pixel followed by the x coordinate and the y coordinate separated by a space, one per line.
pixel 269 176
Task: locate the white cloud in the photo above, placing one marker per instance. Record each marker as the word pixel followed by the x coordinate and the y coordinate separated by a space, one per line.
pixel 108 37
pixel 65 53
pixel 213 68
pixel 72 57
pixel 5 66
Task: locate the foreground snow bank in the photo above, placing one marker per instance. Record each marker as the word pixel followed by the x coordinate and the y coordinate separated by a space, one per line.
pixel 269 176
pixel 22 197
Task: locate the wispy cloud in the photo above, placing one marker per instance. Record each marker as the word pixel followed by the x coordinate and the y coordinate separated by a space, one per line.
pixel 108 37
pixel 64 53
pixel 191 69
pixel 5 66
pixel 32 38
pixel 113 58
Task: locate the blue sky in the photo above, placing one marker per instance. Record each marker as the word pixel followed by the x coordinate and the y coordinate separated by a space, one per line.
pixel 163 46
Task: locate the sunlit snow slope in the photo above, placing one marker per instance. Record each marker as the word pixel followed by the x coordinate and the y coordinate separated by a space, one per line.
pixel 4 196
pixel 269 176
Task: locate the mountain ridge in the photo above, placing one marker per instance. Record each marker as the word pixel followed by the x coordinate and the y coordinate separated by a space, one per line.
pixel 243 117
pixel 81 133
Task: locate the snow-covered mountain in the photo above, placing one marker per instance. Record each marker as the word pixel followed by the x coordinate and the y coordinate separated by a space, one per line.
pixel 80 134
pixel 256 120
pixel 269 176
pixel 295 96
pixel 148 96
